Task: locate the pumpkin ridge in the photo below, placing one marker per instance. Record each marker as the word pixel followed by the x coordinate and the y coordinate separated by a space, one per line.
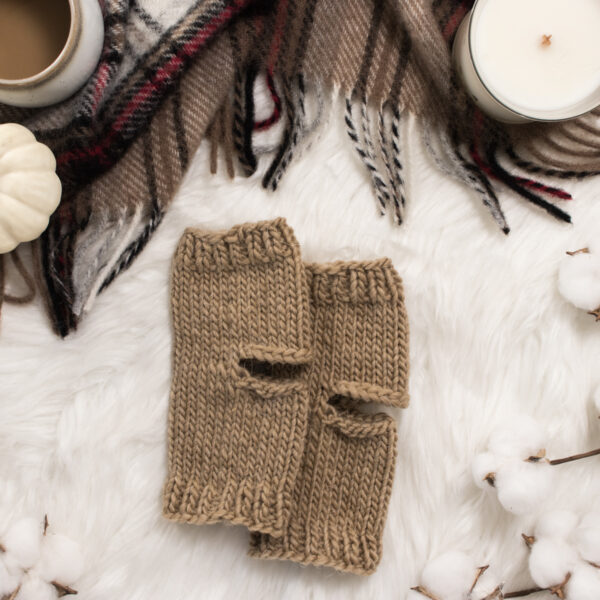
pixel 49 161
pixel 30 189
pixel 36 201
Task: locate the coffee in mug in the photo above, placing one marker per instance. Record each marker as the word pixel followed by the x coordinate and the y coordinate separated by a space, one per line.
pixel 32 35
pixel 48 49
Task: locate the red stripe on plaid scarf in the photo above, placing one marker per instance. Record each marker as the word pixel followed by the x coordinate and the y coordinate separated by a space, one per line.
pixel 455 19
pixel 276 114
pixel 546 189
pixel 530 183
pixel 158 80
pixel 102 80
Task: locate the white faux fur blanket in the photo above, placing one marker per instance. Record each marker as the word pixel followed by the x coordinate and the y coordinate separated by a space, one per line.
pixel 83 421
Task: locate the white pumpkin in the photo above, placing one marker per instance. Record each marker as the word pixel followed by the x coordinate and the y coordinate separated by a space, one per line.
pixel 30 190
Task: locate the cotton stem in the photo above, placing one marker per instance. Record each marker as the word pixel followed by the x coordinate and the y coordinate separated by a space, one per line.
pixel 595 313
pixel 568 459
pixel 480 572
pixel 13 595
pixel 528 539
pixel 425 592
pixel 63 590
pixel 523 593
pixel 557 590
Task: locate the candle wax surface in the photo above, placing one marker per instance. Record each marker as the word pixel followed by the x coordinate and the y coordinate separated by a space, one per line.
pixel 506 42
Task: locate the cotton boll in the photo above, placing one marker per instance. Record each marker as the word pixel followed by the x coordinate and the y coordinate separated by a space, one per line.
pixel 482 466
pixel 486 584
pixel 557 524
pixel 34 588
pixel 449 576
pixel 579 280
pixel 596 400
pixel 550 561
pixel 522 485
pixel 591 520
pixel 11 564
pixel 586 538
pixel 61 560
pixel 22 542
pixel 584 583
pixel 9 577
pixel 522 437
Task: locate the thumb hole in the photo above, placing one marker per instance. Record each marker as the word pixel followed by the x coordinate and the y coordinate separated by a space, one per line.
pixel 365 393
pixel 273 364
pixel 348 417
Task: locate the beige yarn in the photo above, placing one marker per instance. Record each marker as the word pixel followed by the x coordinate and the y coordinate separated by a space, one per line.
pixel 236 438
pixel 259 433
pixel 360 355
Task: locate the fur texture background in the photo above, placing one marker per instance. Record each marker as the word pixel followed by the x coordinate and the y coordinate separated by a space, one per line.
pixel 83 421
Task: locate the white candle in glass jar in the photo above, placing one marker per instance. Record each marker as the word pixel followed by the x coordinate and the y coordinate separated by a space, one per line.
pixel 531 59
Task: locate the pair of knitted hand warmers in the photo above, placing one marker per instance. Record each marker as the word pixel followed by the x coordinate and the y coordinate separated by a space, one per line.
pixel 273 362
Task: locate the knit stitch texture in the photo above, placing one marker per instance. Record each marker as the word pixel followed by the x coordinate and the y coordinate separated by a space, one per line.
pixel 341 496
pixel 236 424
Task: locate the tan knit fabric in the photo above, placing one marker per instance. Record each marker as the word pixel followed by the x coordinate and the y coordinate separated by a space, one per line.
pixel 236 438
pixel 360 355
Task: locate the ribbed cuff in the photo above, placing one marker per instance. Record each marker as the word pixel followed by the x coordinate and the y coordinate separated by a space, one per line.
pixel 354 282
pixel 247 503
pixel 243 245
pixel 348 552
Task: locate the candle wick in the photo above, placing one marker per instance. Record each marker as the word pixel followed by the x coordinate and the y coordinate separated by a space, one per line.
pixel 546 40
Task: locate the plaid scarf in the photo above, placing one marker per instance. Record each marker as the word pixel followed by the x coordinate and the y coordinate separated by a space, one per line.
pixel 174 73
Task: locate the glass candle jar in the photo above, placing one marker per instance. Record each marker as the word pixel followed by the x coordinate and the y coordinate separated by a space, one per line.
pixel 531 60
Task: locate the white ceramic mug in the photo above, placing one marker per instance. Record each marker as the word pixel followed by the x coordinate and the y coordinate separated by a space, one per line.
pixel 70 69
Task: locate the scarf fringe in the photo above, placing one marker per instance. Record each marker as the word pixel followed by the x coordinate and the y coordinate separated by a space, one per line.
pixel 375 136
pixel 25 276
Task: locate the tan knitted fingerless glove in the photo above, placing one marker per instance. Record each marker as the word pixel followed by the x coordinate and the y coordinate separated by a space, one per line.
pixel 360 355
pixel 236 435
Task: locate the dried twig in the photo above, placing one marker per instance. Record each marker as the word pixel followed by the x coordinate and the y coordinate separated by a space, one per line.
pixel 539 457
pixel 582 251
pixel 559 590
pixel 13 595
pixel 523 593
pixel 45 524
pixel 63 590
pixel 595 313
pixel 495 594
pixel 568 459
pixel 529 539
pixel 480 572
pixel 425 592
pixel 491 479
